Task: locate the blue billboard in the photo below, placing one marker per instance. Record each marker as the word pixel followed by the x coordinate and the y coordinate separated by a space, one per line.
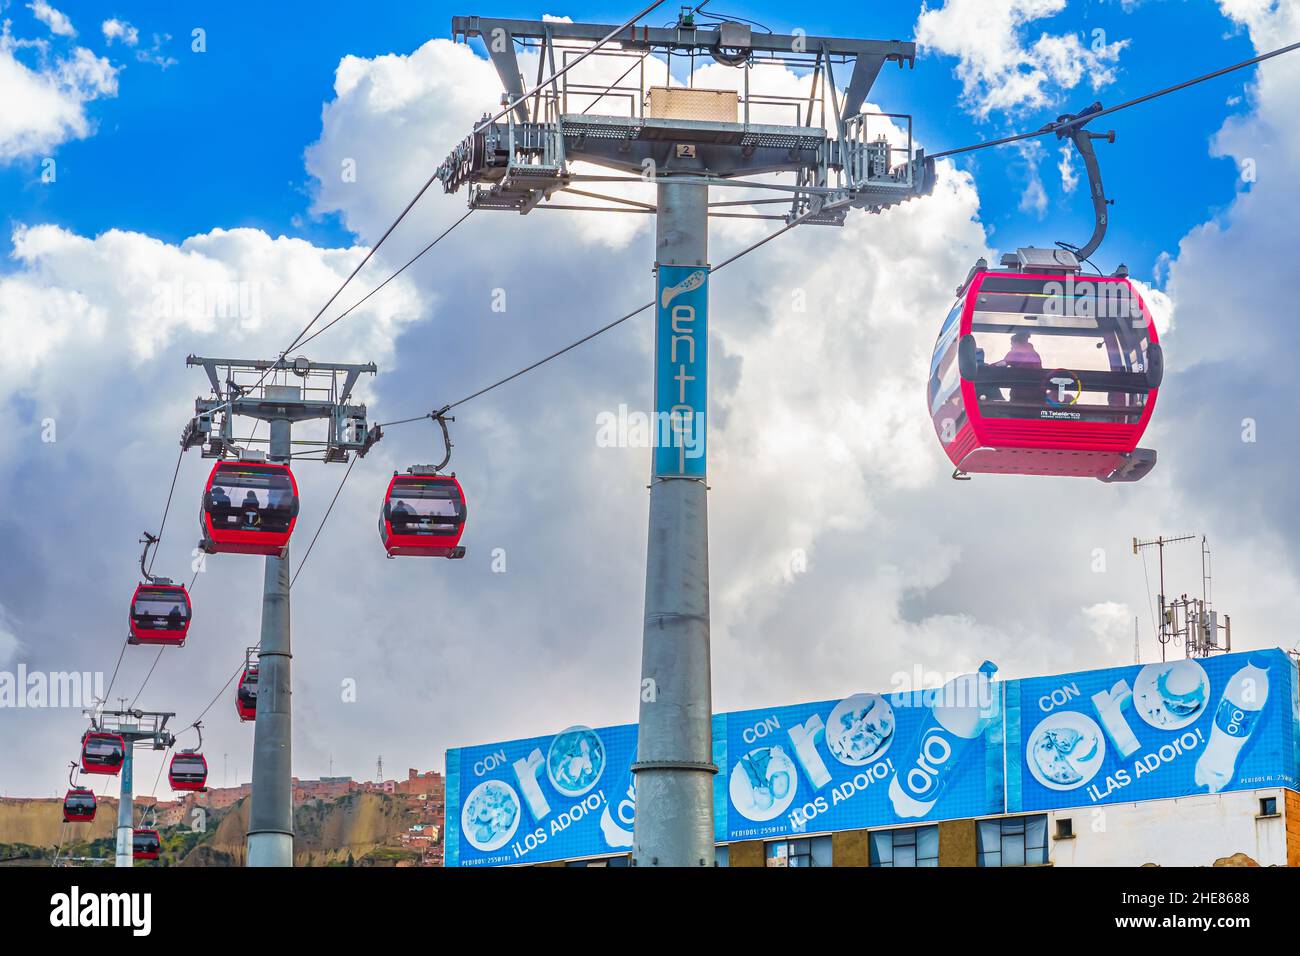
pixel 545 798
pixel 866 760
pixel 974 747
pixel 681 370
pixel 1168 729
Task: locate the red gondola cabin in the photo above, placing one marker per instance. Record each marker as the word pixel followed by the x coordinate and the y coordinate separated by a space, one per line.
pixel 423 516
pixel 188 771
pixel 102 753
pixel 145 845
pixel 160 614
pixel 1039 370
pixel 248 508
pixel 246 695
pixel 79 805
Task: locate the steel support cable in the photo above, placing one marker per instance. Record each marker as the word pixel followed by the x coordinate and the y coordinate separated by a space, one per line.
pixel 567 67
pixel 410 262
pixel 1053 127
pixel 147 676
pixel 203 713
pixel 339 291
pixel 320 527
pixel 591 335
pixel 605 92
pixel 154 792
pixel 434 176
pixel 63 836
pixel 112 680
pixel 166 510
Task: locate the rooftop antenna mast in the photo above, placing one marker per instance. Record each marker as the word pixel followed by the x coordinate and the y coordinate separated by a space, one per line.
pixel 1192 621
pixel 650 127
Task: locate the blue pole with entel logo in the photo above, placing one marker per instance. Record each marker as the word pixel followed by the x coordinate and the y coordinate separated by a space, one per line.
pixel 674 764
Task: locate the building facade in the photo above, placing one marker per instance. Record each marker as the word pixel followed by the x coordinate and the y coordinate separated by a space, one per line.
pixel 1245 828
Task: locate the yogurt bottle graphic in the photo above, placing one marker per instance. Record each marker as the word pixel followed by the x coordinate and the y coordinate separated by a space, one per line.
pixel 1234 720
pixel 961 711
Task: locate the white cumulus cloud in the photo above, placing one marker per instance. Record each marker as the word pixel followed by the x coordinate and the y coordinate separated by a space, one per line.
pixel 1000 66
pixel 45 103
pixel 57 21
pixel 120 31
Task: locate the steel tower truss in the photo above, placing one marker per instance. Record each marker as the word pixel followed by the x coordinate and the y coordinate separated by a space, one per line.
pixel 840 156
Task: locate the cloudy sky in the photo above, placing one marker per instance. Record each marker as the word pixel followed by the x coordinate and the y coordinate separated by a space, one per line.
pixel 137 155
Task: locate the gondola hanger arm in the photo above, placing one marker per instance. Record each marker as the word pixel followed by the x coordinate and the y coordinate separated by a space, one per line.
pixel 197 726
pixel 1071 126
pixel 149 541
pixel 442 418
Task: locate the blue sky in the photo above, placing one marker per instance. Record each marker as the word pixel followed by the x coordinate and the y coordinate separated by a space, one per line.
pixel 181 166
pixel 216 139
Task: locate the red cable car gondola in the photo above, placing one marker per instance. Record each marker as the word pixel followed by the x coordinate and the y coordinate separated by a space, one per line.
pixel 102 752
pixel 188 771
pixel 79 805
pixel 248 508
pixel 145 844
pixel 1042 370
pixel 423 515
pixel 160 613
pixel 246 695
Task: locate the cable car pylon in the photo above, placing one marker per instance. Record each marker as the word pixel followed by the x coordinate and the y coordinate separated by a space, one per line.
pixel 684 141
pixel 279 391
pixel 126 728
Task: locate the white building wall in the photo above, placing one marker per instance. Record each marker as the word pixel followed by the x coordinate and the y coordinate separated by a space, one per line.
pixel 1188 831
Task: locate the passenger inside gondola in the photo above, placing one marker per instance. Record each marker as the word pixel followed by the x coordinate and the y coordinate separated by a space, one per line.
pixel 403 517
pixel 1022 354
pixel 251 510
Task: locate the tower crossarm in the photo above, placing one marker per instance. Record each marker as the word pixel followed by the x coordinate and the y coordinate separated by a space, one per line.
pixel 847 158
